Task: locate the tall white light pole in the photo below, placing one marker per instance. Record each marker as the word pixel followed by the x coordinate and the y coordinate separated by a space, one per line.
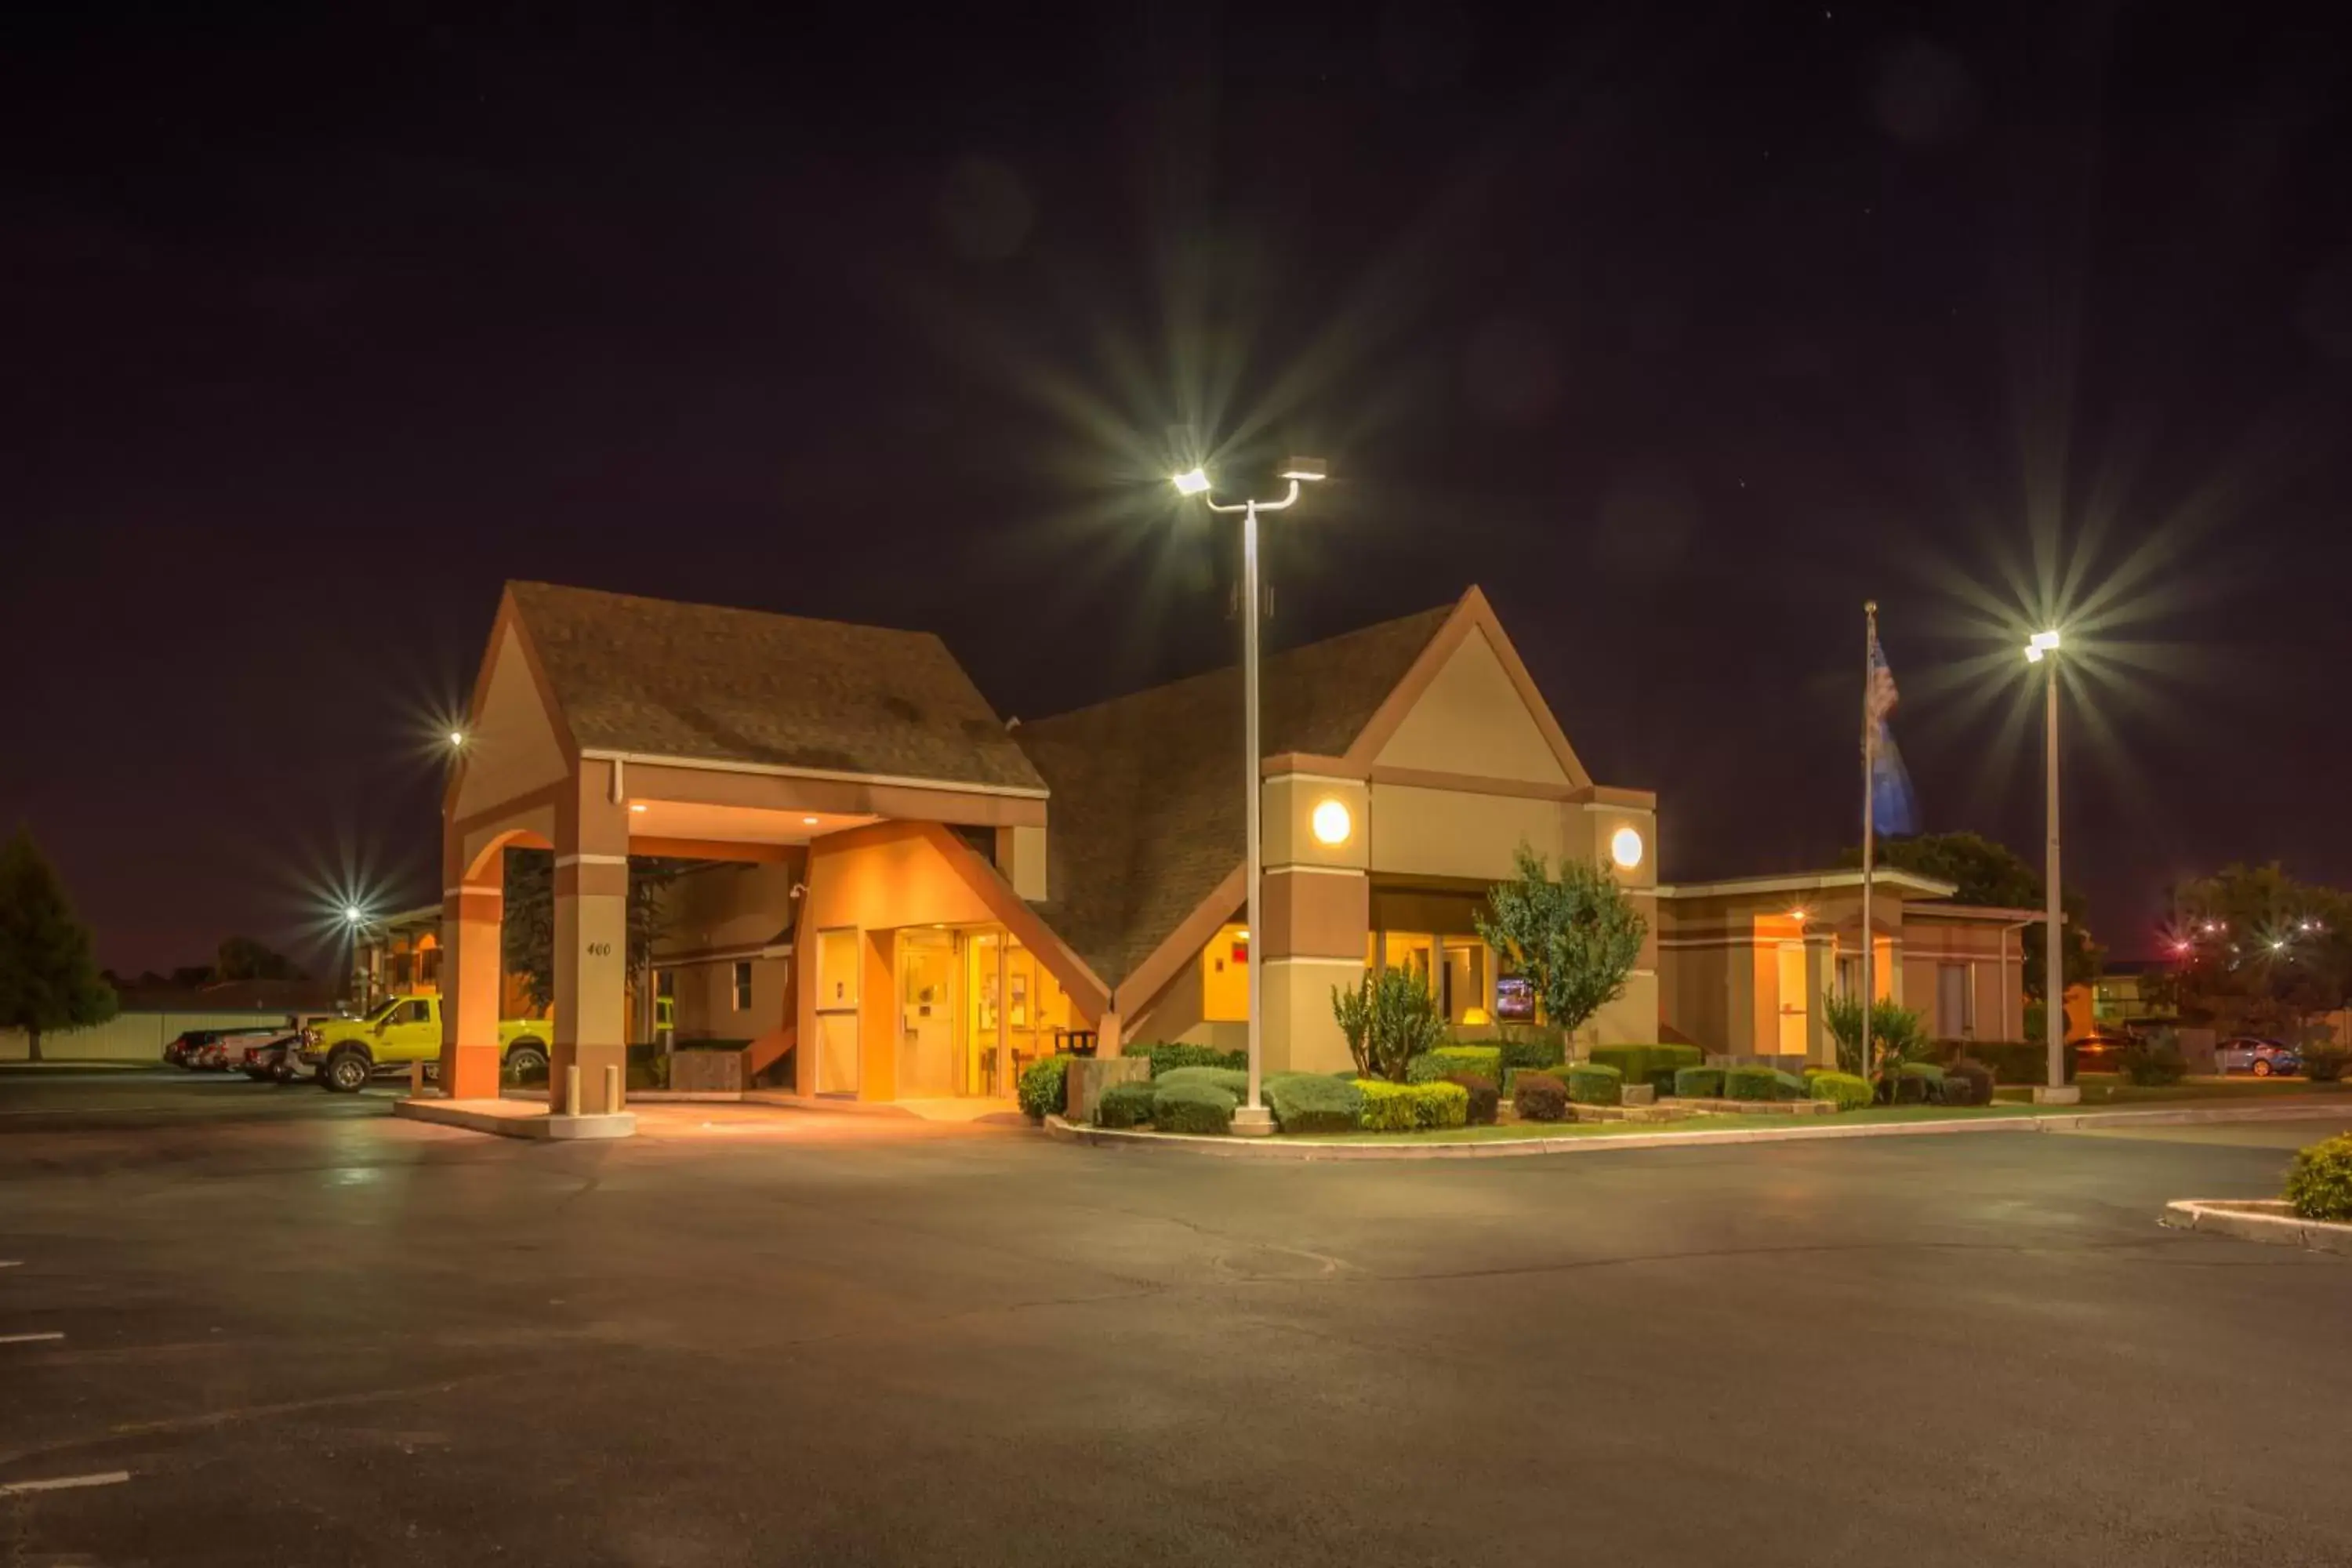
pixel 2056 1091
pixel 1252 1119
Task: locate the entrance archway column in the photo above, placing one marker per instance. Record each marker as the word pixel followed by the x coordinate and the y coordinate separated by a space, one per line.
pixel 592 937
pixel 472 908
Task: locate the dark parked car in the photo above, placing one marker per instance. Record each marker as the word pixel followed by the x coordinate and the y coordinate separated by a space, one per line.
pixel 2252 1054
pixel 2102 1050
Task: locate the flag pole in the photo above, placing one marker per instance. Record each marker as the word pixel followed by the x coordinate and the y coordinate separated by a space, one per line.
pixel 1869 823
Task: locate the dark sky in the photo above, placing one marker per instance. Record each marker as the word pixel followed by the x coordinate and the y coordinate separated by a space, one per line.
pixel 1682 330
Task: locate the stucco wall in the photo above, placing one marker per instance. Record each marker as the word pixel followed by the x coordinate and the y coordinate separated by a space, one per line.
pixel 1425 832
pixel 1472 720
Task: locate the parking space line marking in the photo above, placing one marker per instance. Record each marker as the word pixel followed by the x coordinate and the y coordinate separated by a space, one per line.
pixel 28 1339
pixel 65 1483
pixel 12 1263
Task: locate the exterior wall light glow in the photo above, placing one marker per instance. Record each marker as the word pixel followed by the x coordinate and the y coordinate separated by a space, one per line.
pixel 1331 822
pixel 1625 847
pixel 637 806
pixel 457 739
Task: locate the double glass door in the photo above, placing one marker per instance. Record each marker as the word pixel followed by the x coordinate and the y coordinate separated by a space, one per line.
pixel 974 1008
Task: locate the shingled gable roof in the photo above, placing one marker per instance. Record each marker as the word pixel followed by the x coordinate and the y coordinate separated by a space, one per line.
pixel 1147 818
pixel 650 676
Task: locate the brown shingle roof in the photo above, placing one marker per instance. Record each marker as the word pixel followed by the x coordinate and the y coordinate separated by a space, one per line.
pixel 744 686
pixel 1147 796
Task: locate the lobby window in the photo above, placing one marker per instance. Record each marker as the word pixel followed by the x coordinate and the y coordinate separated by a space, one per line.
pixel 743 985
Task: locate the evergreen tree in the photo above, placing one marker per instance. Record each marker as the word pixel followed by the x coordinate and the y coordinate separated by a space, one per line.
pixel 48 977
pixel 1576 939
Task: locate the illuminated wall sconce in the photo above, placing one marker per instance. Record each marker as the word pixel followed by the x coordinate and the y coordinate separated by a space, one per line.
pixel 1331 822
pixel 1625 847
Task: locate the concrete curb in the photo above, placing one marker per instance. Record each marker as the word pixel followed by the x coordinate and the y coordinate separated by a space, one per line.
pixel 2258 1219
pixel 1285 1149
pixel 449 1113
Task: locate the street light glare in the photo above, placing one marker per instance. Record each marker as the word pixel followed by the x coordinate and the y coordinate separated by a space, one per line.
pixel 1308 470
pixel 354 914
pixel 2044 642
pixel 1192 482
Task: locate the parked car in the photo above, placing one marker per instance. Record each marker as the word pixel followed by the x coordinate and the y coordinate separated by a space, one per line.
pixel 2261 1057
pixel 181 1051
pixel 259 1060
pixel 349 1052
pixel 2102 1050
pixel 225 1052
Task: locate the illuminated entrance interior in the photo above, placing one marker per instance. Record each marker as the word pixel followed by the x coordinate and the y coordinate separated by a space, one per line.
pixel 974 1008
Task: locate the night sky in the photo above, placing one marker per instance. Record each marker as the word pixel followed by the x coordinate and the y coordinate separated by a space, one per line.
pixel 1681 332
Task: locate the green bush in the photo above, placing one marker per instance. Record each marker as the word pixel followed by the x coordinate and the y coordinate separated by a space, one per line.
pixel 1538 1097
pixel 1167 1057
pixel 1594 1083
pixel 2319 1182
pixel 1851 1093
pixel 1486 1099
pixel 2152 1063
pixel 1651 1064
pixel 1124 1105
pixel 1433 1067
pixel 1044 1086
pixel 1388 1019
pixel 1925 1072
pixel 1895 1031
pixel 2325 1064
pixel 1233 1080
pixel 1751 1083
pixel 1192 1107
pixel 1532 1046
pixel 1968 1082
pixel 1699 1083
pixel 1309 1103
pixel 1791 1087
pixel 1413 1107
pixel 2009 1061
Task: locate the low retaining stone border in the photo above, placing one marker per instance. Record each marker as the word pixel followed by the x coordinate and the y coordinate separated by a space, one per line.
pixel 1807 1130
pixel 457 1113
pixel 2271 1220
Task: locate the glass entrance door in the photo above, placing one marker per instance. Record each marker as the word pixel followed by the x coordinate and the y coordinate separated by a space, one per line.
pixel 926 1013
pixel 982 1055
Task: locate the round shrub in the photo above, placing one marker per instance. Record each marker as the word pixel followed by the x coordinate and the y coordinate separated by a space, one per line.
pixel 1751 1083
pixel 1590 1083
pixel 1528 1045
pixel 2152 1064
pixel 1044 1086
pixel 1445 1062
pixel 1699 1083
pixel 1192 1107
pixel 1234 1081
pixel 1852 1093
pixel 1412 1106
pixel 1124 1105
pixel 2325 1064
pixel 1539 1096
pixel 2319 1182
pixel 1968 1082
pixel 1309 1103
pixel 1436 1105
pixel 1486 1099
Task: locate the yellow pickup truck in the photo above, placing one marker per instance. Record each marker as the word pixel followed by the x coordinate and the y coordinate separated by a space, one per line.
pixel 346 1052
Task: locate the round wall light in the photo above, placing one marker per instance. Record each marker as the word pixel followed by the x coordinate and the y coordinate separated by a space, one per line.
pixel 1331 822
pixel 1625 847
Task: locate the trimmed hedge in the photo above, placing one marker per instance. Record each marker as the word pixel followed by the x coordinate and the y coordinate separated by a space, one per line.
pixel 1193 1108
pixel 1124 1105
pixel 1968 1082
pixel 1413 1107
pixel 1546 1049
pixel 1486 1099
pixel 1445 1062
pixel 1309 1103
pixel 1168 1057
pixel 1699 1083
pixel 1751 1083
pixel 2319 1182
pixel 1044 1089
pixel 1233 1080
pixel 1651 1064
pixel 1539 1096
pixel 1851 1092
pixel 1594 1083
pixel 1792 1086
pixel 2011 1061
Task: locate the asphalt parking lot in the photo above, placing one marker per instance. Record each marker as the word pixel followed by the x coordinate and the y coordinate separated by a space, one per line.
pixel 301 1332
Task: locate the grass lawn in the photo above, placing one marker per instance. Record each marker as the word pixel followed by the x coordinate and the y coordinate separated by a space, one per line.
pixel 2110 1088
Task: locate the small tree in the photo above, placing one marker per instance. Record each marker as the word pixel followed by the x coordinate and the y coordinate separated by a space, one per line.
pixel 48 979
pixel 1389 1019
pixel 1897 1035
pixel 1576 939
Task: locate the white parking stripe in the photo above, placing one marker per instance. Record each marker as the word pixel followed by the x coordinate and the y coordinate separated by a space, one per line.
pixel 64 1483
pixel 27 1339
pixel 12 1263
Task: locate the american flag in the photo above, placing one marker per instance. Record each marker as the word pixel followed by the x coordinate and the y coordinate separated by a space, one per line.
pixel 1893 809
pixel 1882 695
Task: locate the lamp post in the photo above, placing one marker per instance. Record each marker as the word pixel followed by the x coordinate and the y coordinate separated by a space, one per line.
pixel 2056 1091
pixel 1252 1119
pixel 354 920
